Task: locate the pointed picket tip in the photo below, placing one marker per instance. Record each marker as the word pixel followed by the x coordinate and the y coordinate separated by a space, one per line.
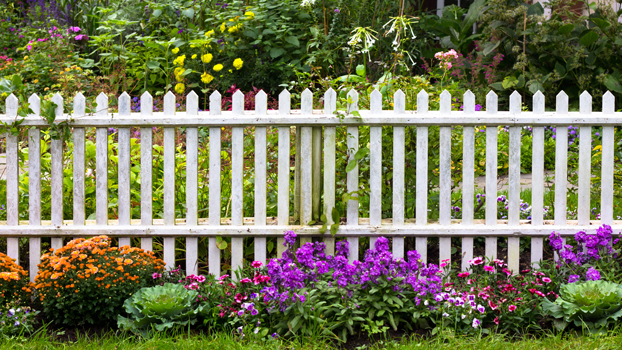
pixel 79 105
pixel 515 102
pixel 422 102
pixel 261 103
pixel 375 101
pixel 306 102
pixel 330 101
pixel 445 102
pixel 585 102
pixel 609 102
pixel 561 101
pixel 353 93
pixel 58 99
pixel 146 104
pixel 285 94
pixel 125 104
pixel 102 105
pixel 215 103
pixel 169 104
pixel 35 104
pixel 354 96
pixel 12 105
pixel 492 102
pixel 399 102
pixel 192 104
pixel 285 102
pixel 468 101
pixel 538 102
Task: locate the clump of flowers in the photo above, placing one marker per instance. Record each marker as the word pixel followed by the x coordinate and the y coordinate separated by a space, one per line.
pixel 14 283
pixel 16 319
pixel 590 256
pixel 71 278
pixel 489 295
pixel 446 58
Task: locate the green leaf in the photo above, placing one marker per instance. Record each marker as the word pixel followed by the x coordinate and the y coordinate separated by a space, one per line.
pixel 588 38
pixel 188 12
pixel 360 70
pixel 157 13
pixel 276 52
pixel 535 10
pixel 293 40
pixel 351 165
pixel 602 23
pixel 490 47
pixel 361 153
pixel 613 84
pixel 560 69
pixel 566 29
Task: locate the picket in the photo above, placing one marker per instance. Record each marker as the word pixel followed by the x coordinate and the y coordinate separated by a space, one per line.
pixel 316 133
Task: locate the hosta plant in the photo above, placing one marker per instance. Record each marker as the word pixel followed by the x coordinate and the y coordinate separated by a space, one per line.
pixel 161 307
pixel 591 305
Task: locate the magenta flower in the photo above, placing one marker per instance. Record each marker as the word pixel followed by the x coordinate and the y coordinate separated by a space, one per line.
pixel 489 268
pixel 256 264
pixel 512 308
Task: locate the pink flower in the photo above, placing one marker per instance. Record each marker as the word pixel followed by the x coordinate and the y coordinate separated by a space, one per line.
pixel 256 264
pixel 496 320
pixel 492 305
pixel 507 272
pixel 546 280
pixel 463 274
pixel 156 275
pixel 245 280
pixel 477 261
pixel 489 268
pixel 539 293
pixel 223 277
pixel 512 308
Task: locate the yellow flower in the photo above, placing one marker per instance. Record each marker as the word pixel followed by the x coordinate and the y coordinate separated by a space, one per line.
pixel 179 60
pixel 223 26
pixel 36 81
pixel 179 78
pixel 194 56
pixel 249 14
pixel 209 33
pixel 206 78
pixel 237 63
pixel 218 67
pixel 207 58
pixel 230 70
pixel 67 69
pixel 180 88
pixel 179 70
pixel 175 50
pixel 25 58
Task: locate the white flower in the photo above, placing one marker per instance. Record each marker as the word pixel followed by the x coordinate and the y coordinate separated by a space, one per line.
pixel 307 3
pixel 256 330
pixel 463 316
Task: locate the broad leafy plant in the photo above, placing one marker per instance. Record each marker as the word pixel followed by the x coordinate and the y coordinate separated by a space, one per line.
pixel 592 305
pixel 160 308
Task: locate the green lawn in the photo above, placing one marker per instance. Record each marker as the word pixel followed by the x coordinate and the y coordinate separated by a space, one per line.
pixel 223 341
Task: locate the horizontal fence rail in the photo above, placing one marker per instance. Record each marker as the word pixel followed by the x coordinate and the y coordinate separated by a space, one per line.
pixel 315 140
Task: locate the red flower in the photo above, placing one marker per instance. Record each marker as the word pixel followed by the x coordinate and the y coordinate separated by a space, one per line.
pixel 463 274
pixel 256 264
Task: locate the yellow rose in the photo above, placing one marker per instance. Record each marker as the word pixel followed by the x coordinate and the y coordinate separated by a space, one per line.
pixel 206 78
pixel 237 63
pixel 180 88
pixel 194 56
pixel 207 58
pixel 175 50
pixel 218 67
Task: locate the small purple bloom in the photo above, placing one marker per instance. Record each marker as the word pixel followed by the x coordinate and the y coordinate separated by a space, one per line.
pixel 592 274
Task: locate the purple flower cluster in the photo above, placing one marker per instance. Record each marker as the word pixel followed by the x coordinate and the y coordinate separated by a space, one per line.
pixel 310 265
pixel 589 247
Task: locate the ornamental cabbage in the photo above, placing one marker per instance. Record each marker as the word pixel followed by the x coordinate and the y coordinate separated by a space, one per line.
pixel 161 307
pixel 592 304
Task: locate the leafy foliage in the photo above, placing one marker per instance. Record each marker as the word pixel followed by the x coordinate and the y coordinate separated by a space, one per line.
pixel 592 305
pixel 159 308
pixel 87 281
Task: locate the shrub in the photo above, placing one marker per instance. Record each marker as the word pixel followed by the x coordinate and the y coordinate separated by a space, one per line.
pixel 87 281
pixel 592 305
pixel 16 320
pixel 161 307
pixel 14 281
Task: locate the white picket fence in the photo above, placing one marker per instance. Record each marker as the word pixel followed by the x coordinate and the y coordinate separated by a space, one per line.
pixel 312 128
